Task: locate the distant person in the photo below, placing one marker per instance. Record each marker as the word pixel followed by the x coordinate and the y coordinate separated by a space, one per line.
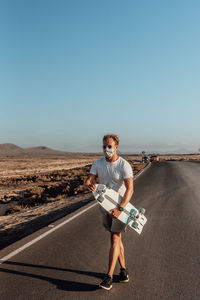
pixel 117 171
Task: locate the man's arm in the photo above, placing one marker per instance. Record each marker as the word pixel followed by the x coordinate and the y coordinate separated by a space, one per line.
pixel 129 191
pixel 90 182
pixel 126 198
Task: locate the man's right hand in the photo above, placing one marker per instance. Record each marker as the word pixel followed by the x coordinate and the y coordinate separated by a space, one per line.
pixel 90 182
pixel 91 186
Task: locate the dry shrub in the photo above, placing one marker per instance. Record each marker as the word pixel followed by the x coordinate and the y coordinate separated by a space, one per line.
pixel 13 209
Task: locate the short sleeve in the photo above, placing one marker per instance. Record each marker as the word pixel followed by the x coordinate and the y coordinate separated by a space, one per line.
pixel 93 169
pixel 127 171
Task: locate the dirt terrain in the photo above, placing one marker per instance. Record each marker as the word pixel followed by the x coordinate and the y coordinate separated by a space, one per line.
pixel 32 187
pixel 32 181
pixel 29 181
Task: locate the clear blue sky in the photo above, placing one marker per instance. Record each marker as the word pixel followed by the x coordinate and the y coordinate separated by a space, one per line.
pixel 71 71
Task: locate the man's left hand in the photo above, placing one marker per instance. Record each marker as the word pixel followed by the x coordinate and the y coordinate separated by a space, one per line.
pixel 115 212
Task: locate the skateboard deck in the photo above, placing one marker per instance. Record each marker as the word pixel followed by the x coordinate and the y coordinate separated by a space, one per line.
pixel 110 199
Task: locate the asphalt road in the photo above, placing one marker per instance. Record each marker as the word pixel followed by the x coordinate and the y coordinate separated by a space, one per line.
pixel 164 262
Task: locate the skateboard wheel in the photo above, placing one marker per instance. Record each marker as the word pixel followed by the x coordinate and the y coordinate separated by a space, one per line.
pixel 109 185
pixel 134 225
pixel 100 199
pixel 141 210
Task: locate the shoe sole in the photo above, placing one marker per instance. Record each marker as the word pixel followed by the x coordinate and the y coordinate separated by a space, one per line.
pixel 127 280
pixel 105 288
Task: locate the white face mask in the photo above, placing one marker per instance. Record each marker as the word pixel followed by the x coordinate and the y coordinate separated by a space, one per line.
pixel 108 152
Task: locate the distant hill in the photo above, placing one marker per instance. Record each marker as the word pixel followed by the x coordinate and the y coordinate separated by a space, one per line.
pixel 42 150
pixel 13 150
pixel 10 149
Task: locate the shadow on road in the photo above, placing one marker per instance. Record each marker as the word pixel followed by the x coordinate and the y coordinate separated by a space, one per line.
pixel 65 285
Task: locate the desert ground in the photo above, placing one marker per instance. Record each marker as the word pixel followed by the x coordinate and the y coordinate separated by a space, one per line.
pixel 31 181
pixel 32 187
pixel 35 185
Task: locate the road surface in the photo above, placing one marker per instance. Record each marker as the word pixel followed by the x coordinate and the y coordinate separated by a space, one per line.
pixel 163 263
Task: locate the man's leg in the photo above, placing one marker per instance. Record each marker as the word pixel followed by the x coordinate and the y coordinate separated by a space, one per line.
pixel 115 251
pixel 123 275
pixel 121 257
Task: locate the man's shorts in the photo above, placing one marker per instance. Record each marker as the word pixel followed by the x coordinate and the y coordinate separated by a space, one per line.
pixel 110 223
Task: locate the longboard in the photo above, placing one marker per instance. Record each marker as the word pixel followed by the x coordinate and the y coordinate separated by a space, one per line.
pixel 110 199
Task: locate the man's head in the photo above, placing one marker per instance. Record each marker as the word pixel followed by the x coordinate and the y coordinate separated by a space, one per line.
pixel 110 145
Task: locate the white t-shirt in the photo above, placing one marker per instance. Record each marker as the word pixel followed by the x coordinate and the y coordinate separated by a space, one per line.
pixel 112 172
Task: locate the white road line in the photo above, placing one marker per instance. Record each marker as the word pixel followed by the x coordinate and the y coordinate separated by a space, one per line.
pixel 143 170
pixel 5 258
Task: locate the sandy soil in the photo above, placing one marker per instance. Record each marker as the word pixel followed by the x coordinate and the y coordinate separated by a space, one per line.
pixel 15 166
pixel 31 187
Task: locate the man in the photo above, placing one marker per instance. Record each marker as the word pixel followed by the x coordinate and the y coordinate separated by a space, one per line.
pixel 117 171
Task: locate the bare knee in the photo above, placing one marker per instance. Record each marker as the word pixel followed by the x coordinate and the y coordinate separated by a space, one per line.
pixel 115 239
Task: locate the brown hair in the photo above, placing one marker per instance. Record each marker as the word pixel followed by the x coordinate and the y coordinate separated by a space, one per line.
pixel 111 136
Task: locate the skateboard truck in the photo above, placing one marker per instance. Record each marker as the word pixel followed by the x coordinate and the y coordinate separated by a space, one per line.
pixel 134 215
pixel 101 190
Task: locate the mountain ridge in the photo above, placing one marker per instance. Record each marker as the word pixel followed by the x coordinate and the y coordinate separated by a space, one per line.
pixel 9 149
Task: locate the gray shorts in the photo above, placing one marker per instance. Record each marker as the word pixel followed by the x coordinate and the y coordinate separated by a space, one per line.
pixel 111 224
